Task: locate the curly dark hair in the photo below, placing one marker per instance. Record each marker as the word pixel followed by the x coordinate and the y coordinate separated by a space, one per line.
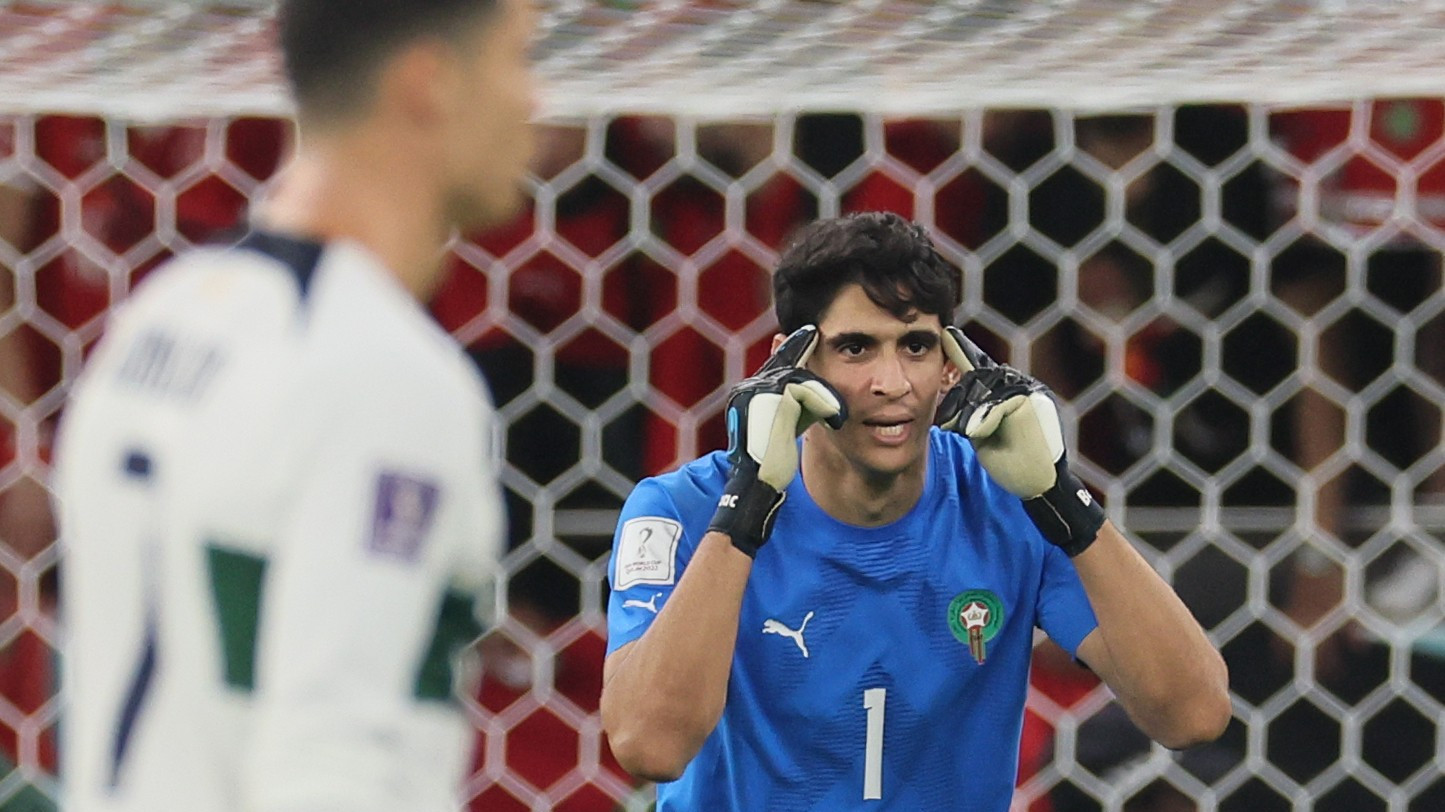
pixel 891 258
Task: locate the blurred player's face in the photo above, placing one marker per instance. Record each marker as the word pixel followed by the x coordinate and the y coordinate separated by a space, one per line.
pixel 891 374
pixel 489 140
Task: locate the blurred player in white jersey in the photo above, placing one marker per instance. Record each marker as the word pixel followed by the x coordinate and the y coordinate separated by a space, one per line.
pixel 279 509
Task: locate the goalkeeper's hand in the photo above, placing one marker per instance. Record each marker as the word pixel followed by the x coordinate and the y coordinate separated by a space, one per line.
pixel 1014 426
pixel 765 415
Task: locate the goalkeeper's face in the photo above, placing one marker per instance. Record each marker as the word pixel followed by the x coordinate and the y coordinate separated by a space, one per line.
pixel 891 373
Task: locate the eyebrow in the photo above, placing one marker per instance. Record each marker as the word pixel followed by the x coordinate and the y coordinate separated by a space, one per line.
pixel 861 339
pixel 924 337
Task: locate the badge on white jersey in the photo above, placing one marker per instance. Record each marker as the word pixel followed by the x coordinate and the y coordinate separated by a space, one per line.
pixel 647 553
pixel 405 507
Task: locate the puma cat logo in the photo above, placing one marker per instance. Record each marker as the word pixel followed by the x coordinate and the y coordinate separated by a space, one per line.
pixel 771 626
pixel 650 604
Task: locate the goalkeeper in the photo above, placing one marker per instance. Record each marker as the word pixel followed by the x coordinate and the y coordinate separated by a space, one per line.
pixel 846 619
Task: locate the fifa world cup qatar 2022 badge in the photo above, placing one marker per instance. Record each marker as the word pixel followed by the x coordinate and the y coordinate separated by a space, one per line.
pixel 974 617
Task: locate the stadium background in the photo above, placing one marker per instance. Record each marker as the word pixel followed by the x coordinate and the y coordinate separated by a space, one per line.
pixel 1215 233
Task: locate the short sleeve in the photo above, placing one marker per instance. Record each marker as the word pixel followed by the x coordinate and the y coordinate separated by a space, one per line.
pixel 1064 612
pixel 649 551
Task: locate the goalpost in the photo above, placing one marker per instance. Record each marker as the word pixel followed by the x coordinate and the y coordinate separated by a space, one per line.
pixel 1181 215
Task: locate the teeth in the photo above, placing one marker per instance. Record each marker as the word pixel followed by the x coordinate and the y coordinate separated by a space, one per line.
pixel 891 431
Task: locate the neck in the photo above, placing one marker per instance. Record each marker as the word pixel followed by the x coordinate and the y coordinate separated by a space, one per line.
pixel 355 186
pixel 852 494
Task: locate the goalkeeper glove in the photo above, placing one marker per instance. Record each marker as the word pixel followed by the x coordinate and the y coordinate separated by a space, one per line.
pixel 765 415
pixel 1013 424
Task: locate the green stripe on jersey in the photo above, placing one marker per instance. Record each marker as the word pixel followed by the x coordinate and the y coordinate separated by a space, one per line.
pixel 237 580
pixel 456 626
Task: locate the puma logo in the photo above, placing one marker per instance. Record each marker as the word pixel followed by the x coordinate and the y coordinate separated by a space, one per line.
pixel 771 626
pixel 650 604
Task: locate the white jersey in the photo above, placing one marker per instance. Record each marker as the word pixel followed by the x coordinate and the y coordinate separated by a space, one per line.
pixel 281 521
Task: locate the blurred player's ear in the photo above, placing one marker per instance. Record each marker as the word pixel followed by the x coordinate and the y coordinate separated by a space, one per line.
pixel 778 339
pixel 419 81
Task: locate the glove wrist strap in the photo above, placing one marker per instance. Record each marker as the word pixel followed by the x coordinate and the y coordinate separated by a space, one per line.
pixel 1066 514
pixel 746 511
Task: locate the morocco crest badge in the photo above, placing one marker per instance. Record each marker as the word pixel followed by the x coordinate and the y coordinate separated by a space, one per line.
pixel 974 617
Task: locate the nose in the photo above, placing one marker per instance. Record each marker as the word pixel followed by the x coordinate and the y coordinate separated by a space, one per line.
pixel 889 380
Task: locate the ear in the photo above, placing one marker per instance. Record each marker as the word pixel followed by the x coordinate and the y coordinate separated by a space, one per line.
pixel 778 339
pixel 951 374
pixel 418 82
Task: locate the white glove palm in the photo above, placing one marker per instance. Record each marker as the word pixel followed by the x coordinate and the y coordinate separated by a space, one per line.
pixel 765 415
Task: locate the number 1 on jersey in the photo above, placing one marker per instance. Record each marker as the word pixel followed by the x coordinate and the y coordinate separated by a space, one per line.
pixel 874 700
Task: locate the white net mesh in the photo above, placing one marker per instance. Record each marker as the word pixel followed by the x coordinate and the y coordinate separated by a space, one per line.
pixel 164 59
pixel 1240 306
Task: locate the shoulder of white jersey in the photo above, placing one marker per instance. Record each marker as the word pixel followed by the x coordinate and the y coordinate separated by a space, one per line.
pixel 368 338
pixel 354 331
pixel 219 292
pixel 216 277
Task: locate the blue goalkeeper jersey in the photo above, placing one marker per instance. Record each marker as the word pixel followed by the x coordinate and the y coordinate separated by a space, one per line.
pixel 876 667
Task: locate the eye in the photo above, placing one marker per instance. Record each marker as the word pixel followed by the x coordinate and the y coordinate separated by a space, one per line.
pixel 918 346
pixel 850 349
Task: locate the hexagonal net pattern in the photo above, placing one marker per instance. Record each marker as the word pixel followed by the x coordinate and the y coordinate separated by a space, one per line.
pixel 1239 306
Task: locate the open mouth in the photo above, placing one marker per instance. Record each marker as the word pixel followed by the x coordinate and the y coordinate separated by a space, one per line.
pixel 888 429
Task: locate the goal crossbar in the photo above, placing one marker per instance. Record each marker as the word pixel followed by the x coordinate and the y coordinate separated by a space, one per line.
pixel 167 59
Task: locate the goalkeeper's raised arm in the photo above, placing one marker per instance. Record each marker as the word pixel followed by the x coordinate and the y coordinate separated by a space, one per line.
pixel 1148 648
pixel 833 618
pixel 665 692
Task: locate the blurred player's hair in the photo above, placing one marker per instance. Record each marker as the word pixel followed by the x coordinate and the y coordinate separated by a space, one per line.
pixel 892 259
pixel 334 49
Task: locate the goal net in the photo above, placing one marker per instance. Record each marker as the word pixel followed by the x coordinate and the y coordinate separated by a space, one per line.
pixel 1213 228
